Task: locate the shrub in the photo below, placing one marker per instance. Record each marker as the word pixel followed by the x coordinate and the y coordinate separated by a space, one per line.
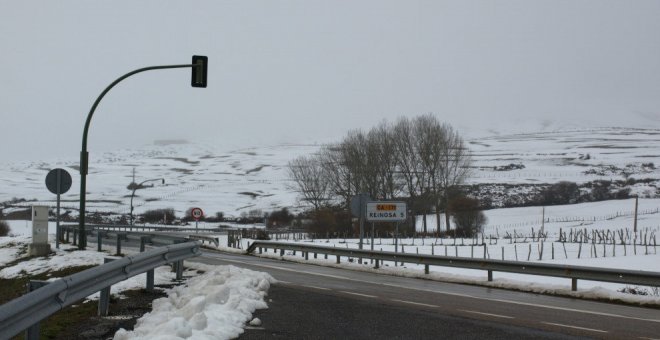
pixel 467 215
pixel 279 218
pixel 159 215
pixel 560 193
pixel 219 217
pixel 262 235
pixel 4 228
pixel 329 220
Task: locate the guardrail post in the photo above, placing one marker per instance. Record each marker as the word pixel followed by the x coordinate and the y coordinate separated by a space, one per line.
pixel 104 299
pixel 143 241
pixel 75 237
pixel 574 284
pixel 426 269
pixel 281 252
pixel 99 234
pixel 260 251
pixel 377 264
pixel 490 276
pixel 306 255
pixel 314 255
pixel 67 235
pixel 179 270
pixel 338 259
pixel 150 280
pixel 118 244
pixel 32 333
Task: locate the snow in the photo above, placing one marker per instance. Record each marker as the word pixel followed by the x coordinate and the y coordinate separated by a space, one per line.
pixel 520 282
pixel 214 305
pixel 615 215
pixel 236 181
pixel 220 302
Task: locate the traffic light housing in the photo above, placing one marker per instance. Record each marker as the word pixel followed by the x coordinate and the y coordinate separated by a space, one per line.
pixel 199 70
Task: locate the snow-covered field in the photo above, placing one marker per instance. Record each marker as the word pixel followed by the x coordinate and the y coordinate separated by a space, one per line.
pixel 216 304
pixel 234 181
pixel 638 253
pixel 237 181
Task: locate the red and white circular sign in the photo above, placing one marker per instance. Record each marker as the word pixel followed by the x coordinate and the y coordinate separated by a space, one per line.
pixel 196 213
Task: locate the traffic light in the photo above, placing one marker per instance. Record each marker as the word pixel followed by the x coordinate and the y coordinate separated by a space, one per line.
pixel 199 70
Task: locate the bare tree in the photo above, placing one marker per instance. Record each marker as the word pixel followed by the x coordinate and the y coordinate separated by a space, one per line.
pixel 391 185
pixel 421 158
pixel 407 162
pixel 430 142
pixel 310 178
pixel 455 167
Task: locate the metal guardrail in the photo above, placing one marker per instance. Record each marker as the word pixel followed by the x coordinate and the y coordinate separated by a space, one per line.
pixel 27 310
pixel 153 238
pixel 145 228
pixel 203 239
pixel 574 273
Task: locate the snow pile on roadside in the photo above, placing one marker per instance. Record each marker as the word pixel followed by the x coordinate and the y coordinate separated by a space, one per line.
pixel 214 305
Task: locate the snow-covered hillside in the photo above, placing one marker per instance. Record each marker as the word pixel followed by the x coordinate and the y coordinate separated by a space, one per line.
pixel 240 180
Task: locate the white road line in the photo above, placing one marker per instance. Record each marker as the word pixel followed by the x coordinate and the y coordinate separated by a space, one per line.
pixel 487 314
pixel 315 287
pixel 358 294
pixel 449 293
pixel 645 338
pixel 415 303
pixel 575 327
pixel 289 270
pixel 523 303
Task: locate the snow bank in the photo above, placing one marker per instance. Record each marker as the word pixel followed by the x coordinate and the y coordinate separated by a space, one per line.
pixel 214 305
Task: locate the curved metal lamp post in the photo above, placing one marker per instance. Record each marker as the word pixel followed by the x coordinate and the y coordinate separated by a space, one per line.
pixel 139 186
pixel 199 65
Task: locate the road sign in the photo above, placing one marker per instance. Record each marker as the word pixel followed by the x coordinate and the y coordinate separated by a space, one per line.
pixel 196 213
pixel 386 211
pixel 357 204
pixel 55 177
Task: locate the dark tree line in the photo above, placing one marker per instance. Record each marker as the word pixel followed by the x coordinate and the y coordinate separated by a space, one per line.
pixel 419 160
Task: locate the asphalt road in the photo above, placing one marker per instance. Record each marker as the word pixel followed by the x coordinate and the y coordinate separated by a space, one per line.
pixel 315 302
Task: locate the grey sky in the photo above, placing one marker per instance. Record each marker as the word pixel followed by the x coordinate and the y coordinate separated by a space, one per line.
pixel 307 71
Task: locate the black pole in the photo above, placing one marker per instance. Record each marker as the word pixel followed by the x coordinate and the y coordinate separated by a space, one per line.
pixel 84 155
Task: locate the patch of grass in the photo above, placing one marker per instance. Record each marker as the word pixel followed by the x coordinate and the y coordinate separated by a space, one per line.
pixel 64 320
pixel 16 287
pixel 13 288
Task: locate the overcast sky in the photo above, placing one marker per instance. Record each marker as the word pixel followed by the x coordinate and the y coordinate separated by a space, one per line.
pixel 308 71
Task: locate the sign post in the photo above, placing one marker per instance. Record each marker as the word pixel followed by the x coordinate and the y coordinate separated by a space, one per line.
pixel 58 181
pixel 358 206
pixel 385 211
pixel 196 213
